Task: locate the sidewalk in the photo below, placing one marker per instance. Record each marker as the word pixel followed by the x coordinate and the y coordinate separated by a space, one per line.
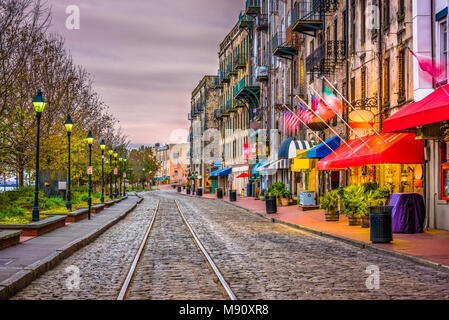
pixel 432 245
pixel 21 264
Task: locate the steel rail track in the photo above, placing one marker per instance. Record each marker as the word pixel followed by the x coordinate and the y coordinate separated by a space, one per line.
pixel 196 240
pixel 132 269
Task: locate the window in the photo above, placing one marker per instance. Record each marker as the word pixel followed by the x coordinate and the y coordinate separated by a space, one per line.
pixel 386 82
pixel 386 13
pixel 352 90
pixel 362 22
pixel 353 27
pixel 295 72
pixel 345 31
pixel 401 8
pixel 401 75
pixel 443 50
pixel 363 86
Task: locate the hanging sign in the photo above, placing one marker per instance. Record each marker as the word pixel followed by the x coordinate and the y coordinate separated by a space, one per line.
pixel 90 170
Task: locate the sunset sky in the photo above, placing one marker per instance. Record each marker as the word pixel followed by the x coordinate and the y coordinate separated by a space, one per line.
pixel 146 57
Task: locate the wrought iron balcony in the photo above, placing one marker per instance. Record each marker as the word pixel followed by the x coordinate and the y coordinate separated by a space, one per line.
pixel 217 81
pixel 239 62
pixel 326 58
pixel 282 48
pixel 246 90
pixel 307 16
pixel 245 21
pixel 262 22
pixel 252 6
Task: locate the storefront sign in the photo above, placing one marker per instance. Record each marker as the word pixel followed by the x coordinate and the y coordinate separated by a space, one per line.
pixel 261 71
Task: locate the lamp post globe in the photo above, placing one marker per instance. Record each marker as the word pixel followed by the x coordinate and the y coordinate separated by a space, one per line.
pixel 102 147
pixel 39 106
pixel 68 127
pixel 90 141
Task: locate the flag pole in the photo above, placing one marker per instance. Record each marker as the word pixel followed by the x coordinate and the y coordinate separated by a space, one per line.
pixel 341 118
pixel 305 124
pixel 350 105
pixel 330 128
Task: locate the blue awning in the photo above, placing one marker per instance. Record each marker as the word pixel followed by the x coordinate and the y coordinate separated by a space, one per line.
pixel 321 150
pixel 288 148
pixel 220 172
pixel 258 165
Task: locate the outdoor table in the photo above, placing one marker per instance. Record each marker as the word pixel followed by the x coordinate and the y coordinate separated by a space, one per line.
pixel 408 212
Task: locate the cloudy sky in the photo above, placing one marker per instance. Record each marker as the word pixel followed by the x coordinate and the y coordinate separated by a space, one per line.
pixel 147 56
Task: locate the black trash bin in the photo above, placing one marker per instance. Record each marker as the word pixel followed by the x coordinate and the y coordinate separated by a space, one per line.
pixel 188 191
pixel 179 189
pixel 248 190
pixel 219 193
pixel 381 225
pixel 199 192
pixel 232 195
pixel 270 204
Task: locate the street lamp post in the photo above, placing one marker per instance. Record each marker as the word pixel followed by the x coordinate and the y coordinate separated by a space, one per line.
pixel 115 174
pixel 110 180
pixel 68 126
pixel 90 140
pixel 124 176
pixel 103 147
pixel 143 179
pixel 120 159
pixel 39 106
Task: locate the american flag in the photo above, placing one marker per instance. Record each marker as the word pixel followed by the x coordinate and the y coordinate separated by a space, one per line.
pixel 291 121
pixel 305 114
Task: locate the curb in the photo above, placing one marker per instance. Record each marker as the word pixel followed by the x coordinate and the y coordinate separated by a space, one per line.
pixel 356 243
pixel 23 278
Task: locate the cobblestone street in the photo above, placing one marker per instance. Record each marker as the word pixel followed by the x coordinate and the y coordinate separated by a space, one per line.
pixel 258 259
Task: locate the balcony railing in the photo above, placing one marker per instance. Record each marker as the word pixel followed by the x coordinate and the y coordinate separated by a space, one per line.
pixel 239 62
pixel 326 58
pixel 244 82
pixel 262 22
pixel 307 16
pixel 252 6
pixel 282 48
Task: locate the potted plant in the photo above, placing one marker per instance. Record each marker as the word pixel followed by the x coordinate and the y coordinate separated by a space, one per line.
pixel 329 202
pixel 276 190
pixel 285 197
pixel 354 202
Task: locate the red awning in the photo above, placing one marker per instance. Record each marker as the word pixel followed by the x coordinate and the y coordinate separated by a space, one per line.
pixel 400 148
pixel 244 175
pixel 433 108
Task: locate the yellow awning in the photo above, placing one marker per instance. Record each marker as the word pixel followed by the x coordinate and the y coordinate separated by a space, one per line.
pixel 302 154
pixel 302 164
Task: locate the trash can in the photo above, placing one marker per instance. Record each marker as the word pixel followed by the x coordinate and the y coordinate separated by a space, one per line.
pixel 219 193
pixel 381 226
pixel 179 188
pixel 199 192
pixel 188 191
pixel 232 195
pixel 270 204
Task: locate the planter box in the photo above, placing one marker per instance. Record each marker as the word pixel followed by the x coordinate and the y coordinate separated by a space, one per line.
pixel 9 238
pixel 97 208
pixel 332 216
pixel 37 228
pixel 73 216
pixel 354 221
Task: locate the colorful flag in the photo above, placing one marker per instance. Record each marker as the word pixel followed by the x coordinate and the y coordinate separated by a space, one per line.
pixel 335 104
pixel 426 64
pixel 291 121
pixel 315 103
pixel 305 114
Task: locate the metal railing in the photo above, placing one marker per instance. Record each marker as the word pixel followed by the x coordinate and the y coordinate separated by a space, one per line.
pixel 324 58
pixel 262 21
